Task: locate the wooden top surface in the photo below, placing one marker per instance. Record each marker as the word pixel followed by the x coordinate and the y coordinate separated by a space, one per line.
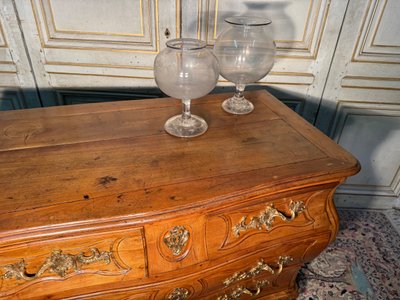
pixel 73 164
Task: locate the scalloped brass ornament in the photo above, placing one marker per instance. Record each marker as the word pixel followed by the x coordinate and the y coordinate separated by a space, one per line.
pixel 176 239
pixel 240 290
pixel 259 268
pixel 178 294
pixel 267 218
pixel 57 263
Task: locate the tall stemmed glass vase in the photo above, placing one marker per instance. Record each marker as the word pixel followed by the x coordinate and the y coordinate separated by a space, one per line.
pixel 186 70
pixel 245 52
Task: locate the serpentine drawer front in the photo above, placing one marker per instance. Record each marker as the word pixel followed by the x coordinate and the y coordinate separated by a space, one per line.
pixel 275 267
pixel 270 218
pixel 30 267
pixel 98 202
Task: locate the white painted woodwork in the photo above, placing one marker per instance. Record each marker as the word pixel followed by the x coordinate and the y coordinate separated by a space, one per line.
pixel 305 32
pixel 360 106
pixel 78 19
pixel 96 44
pixel 17 86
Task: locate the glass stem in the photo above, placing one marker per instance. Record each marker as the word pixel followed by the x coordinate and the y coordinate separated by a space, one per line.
pixel 239 92
pixel 186 109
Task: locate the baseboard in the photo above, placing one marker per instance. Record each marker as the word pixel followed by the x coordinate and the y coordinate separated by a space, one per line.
pixel 365 201
pixel 396 203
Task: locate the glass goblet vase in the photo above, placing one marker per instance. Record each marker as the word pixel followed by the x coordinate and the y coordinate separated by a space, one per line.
pixel 186 70
pixel 245 52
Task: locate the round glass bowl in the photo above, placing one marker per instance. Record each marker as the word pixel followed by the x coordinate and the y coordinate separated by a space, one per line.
pixel 186 70
pixel 245 52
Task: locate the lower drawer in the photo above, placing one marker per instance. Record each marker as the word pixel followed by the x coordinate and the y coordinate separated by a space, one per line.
pixel 46 268
pixel 263 272
pixel 265 287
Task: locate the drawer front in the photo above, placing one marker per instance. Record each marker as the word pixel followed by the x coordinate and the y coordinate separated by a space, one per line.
pixel 57 265
pixel 272 264
pixel 118 295
pixel 260 287
pixel 271 218
pixel 176 244
pixel 268 271
pixel 263 285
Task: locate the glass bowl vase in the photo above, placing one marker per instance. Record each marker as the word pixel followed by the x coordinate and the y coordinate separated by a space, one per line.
pixel 186 70
pixel 245 52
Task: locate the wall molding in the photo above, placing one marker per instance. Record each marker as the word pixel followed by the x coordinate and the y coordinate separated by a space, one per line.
pixel 208 22
pixel 366 49
pixel 347 109
pixel 51 37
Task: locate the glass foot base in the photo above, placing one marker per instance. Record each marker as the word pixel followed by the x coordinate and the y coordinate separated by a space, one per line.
pixel 194 126
pixel 238 106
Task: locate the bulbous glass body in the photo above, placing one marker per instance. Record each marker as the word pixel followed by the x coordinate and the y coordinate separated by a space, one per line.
pixel 186 70
pixel 245 52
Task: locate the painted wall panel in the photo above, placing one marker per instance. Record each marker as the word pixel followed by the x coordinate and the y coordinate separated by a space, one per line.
pixel 305 32
pixel 17 85
pixel 107 44
pixel 361 102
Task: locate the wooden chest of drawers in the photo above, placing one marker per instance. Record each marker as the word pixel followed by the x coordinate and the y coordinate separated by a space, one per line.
pixel 98 202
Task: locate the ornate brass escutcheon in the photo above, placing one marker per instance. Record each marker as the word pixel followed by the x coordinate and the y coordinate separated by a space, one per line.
pixel 178 294
pixel 283 261
pixel 267 217
pixel 240 290
pixel 259 268
pixel 176 239
pixel 57 263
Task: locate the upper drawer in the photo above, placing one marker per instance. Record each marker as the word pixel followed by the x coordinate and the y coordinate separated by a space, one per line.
pixel 68 263
pixel 175 244
pixel 279 217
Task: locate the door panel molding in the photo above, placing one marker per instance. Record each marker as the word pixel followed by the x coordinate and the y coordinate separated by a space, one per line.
pixel 51 12
pixel 3 42
pixel 17 85
pixel 51 37
pixel 67 97
pixel 361 103
pixel 305 33
pixel 11 98
pixel 304 44
pixel 377 127
pixel 371 82
pixel 379 14
pixel 100 52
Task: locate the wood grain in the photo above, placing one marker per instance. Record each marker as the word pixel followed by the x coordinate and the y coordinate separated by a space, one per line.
pixel 86 170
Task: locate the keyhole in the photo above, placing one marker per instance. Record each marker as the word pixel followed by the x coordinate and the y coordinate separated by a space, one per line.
pixel 167 33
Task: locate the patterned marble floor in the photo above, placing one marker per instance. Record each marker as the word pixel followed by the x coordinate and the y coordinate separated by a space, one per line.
pixel 394 217
pixel 363 262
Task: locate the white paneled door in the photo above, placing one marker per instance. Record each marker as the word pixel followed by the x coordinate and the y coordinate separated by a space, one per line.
pixel 17 84
pixel 305 32
pixel 361 102
pixel 95 45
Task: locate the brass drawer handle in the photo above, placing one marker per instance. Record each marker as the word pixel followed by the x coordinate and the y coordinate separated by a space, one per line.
pixel 240 290
pixel 176 239
pixel 267 217
pixel 260 267
pixel 57 263
pixel 178 294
